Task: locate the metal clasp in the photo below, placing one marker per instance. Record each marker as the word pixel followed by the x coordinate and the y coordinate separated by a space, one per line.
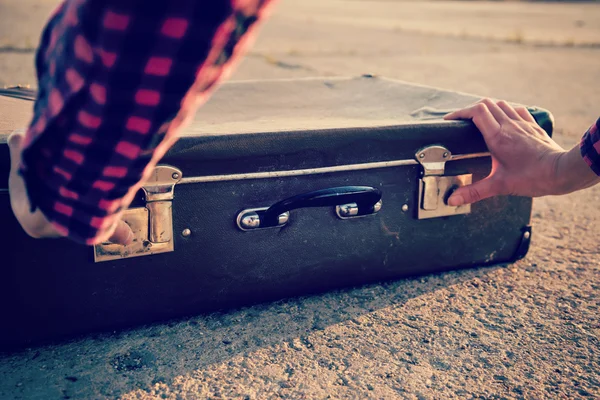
pixel 249 219
pixel 434 188
pixel 152 225
pixel 350 210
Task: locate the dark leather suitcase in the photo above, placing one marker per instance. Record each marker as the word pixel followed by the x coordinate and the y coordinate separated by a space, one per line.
pixel 280 188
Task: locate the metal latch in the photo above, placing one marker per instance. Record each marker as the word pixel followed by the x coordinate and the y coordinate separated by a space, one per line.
pixel 152 225
pixel 435 188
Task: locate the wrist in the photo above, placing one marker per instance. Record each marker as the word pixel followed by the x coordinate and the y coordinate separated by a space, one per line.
pixel 571 173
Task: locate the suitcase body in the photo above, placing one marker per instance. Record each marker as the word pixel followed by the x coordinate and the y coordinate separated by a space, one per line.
pixel 278 189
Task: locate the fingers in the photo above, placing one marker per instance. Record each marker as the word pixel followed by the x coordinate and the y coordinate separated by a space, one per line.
pixel 481 116
pixel 122 234
pixel 14 145
pixel 525 114
pixel 36 225
pixel 15 138
pixel 495 110
pixel 473 193
pixel 509 110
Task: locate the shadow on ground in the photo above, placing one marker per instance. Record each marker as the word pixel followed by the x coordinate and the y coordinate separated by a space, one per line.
pixel 112 365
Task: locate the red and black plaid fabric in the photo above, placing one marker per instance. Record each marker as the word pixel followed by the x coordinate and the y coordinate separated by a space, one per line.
pixel 590 147
pixel 118 79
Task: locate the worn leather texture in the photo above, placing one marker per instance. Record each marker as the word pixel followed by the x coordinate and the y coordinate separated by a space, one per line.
pixel 55 289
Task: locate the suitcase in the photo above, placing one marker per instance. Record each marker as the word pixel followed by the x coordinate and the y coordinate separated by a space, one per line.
pixel 279 188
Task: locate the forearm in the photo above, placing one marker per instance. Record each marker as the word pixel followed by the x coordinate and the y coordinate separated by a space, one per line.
pixel 580 167
pixel 574 173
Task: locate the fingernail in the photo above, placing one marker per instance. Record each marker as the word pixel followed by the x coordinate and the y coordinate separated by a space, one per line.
pixel 129 238
pixel 456 200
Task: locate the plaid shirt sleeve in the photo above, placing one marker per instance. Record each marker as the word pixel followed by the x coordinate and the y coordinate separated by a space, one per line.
pixel 590 147
pixel 117 81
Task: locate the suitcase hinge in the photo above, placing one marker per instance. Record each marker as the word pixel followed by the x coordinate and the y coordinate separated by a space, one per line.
pixel 435 188
pixel 152 225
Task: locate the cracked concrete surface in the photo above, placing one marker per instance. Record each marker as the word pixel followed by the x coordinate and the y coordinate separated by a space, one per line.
pixel 527 330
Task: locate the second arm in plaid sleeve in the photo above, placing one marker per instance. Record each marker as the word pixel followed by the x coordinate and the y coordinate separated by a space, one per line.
pixel 117 82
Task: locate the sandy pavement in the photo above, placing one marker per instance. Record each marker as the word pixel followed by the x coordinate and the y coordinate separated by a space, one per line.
pixel 528 330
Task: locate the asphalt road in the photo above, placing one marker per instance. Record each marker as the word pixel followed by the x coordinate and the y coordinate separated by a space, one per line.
pixel 526 330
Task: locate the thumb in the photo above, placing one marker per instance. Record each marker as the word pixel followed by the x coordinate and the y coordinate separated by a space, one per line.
pixel 122 234
pixel 473 193
pixel 14 146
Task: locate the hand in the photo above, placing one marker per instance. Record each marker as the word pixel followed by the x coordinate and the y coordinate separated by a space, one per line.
pixel 35 224
pixel 525 160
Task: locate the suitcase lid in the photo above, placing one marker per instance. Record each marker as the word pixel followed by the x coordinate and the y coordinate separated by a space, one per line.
pixel 247 107
pixel 286 124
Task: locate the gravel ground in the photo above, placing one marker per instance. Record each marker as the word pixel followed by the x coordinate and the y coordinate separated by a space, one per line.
pixel 527 330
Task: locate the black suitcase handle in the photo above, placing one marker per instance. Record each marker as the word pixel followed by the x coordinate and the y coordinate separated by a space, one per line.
pixel 363 200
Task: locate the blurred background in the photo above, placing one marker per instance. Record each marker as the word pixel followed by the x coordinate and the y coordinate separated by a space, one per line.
pixel 542 53
pixel 529 330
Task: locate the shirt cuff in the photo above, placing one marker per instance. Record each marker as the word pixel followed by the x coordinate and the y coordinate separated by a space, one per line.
pixel 590 147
